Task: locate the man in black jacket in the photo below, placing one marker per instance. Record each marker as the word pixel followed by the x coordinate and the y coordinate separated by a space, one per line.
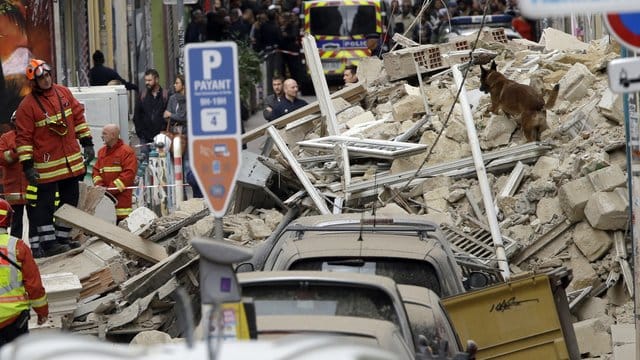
pixel 290 101
pixel 101 75
pixel 148 117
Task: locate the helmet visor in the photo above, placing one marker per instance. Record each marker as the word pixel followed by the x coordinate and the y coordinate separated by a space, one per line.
pixel 41 70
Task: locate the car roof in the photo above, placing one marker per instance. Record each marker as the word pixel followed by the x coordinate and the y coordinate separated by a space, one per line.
pixel 317 243
pixel 369 280
pixel 362 330
pixel 331 219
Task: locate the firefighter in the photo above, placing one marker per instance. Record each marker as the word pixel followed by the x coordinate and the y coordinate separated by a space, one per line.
pixel 20 283
pixel 116 169
pixel 50 122
pixel 15 184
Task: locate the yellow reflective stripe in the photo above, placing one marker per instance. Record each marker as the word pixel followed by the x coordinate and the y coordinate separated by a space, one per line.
pixel 58 162
pixel 3 212
pixel 53 118
pixel 39 302
pixel 24 157
pixel 123 211
pixel 52 174
pixel 7 155
pixel 111 169
pixel 81 127
pixel 97 179
pixel 24 148
pixel 119 184
pixel 32 188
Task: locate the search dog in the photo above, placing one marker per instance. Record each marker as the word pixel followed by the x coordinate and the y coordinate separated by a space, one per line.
pixel 518 100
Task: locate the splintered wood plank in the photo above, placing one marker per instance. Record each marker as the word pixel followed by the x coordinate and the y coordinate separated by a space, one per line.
pixel 112 234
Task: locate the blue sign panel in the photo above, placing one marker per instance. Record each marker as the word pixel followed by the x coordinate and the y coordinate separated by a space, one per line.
pixel 211 74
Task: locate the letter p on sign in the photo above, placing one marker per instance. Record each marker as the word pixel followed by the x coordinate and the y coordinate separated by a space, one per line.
pixel 211 59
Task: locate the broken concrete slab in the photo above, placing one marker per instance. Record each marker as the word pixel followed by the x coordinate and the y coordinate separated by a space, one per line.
pixel 583 273
pixel 497 132
pixel 544 166
pixel 607 211
pixel 607 179
pixel 548 209
pixel 593 243
pixel 610 107
pixel 553 39
pixel 573 198
pixel 593 338
pixel 576 84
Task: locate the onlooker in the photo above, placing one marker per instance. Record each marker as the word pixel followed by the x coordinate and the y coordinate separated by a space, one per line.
pixel 270 41
pixel 272 100
pixel 23 287
pixel 196 28
pixel 148 117
pixel 176 117
pixel 102 75
pixel 290 100
pixel 176 111
pixel 116 169
pixel 15 184
pixel 239 28
pixel 405 17
pixel 50 122
pixel 349 76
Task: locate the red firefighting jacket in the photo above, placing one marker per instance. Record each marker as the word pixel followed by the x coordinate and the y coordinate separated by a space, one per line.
pixel 13 178
pixel 50 137
pixel 116 169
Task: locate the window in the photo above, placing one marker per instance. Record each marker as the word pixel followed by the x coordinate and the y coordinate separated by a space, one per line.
pixel 304 298
pixel 402 271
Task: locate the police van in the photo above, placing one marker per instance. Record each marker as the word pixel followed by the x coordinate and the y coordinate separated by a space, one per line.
pixel 340 29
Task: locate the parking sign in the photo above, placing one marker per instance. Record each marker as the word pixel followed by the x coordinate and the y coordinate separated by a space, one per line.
pixel 213 113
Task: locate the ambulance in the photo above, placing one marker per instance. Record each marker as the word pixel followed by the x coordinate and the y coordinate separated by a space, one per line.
pixel 340 29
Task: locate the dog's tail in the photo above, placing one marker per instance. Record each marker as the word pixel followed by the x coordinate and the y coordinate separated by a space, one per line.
pixel 551 101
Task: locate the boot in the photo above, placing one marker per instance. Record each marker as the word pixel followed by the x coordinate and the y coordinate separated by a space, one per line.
pixel 68 242
pixel 54 249
pixel 37 253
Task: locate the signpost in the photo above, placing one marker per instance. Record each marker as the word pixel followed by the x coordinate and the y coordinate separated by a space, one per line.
pixel 542 8
pixel 213 113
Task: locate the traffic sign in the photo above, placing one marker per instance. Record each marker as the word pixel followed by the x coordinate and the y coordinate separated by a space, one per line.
pixel 624 75
pixel 625 28
pixel 213 114
pixel 542 8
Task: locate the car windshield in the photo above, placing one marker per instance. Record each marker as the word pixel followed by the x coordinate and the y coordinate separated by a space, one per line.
pixel 304 298
pixel 345 20
pixel 402 271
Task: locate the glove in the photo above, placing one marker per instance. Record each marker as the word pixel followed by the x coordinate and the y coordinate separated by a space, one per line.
pixel 89 154
pixel 32 176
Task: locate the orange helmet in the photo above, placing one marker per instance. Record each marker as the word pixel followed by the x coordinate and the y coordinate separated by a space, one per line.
pixel 36 68
pixel 6 212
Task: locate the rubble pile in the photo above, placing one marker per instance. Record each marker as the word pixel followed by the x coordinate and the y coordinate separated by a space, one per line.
pixel 562 201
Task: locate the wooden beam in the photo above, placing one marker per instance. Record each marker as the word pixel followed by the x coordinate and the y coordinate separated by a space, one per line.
pixel 112 234
pixel 349 93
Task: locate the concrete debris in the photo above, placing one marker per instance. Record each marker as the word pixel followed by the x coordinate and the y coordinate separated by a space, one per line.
pixel 560 201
